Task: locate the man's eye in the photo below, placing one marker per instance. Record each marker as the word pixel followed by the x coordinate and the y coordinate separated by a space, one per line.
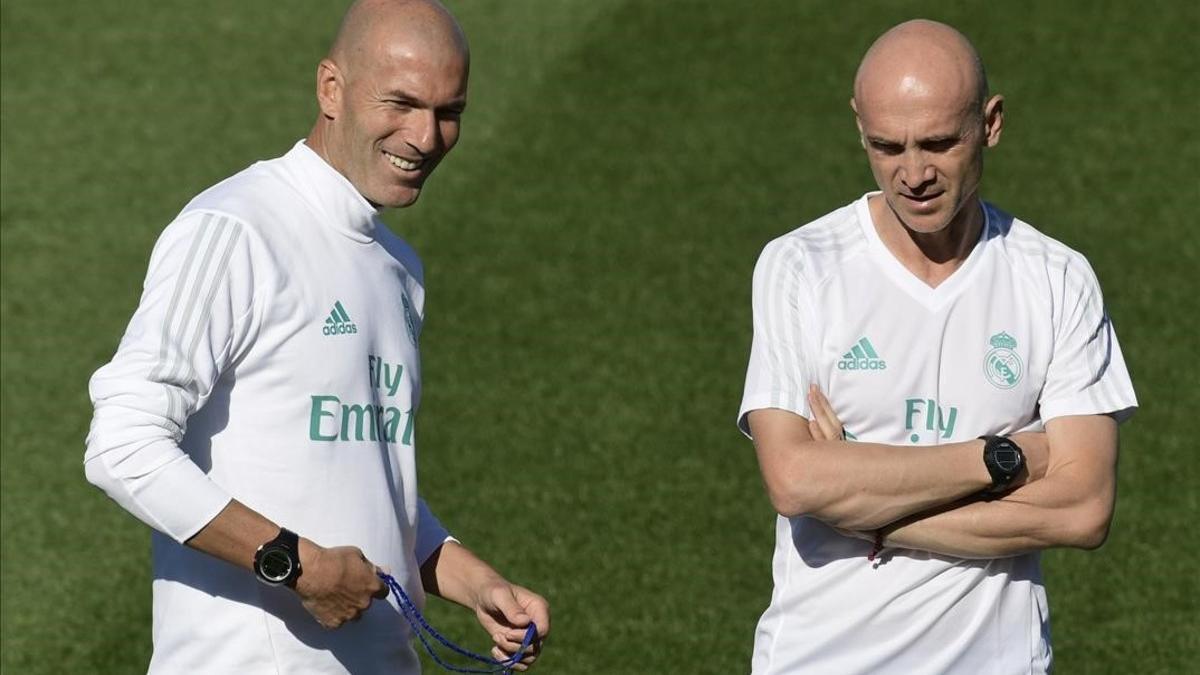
pixel 888 148
pixel 940 145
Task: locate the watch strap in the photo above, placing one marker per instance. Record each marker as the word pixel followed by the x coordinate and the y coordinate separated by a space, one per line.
pixel 1004 461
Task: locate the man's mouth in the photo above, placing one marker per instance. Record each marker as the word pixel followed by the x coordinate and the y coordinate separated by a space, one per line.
pixel 922 199
pixel 403 164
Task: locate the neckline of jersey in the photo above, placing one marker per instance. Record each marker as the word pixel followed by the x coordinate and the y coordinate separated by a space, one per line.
pixel 342 205
pixel 932 298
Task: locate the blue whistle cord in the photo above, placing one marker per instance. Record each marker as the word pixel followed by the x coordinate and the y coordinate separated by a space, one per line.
pixel 421 627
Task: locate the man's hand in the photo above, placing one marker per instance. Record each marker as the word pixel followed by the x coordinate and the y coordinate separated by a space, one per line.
pixel 505 610
pixel 337 584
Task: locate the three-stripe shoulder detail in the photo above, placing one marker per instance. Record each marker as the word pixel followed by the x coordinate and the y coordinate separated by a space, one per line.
pixel 204 268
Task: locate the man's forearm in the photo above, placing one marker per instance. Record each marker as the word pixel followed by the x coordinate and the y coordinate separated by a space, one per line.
pixel 967 530
pixel 1033 517
pixel 857 485
pixel 864 486
pixel 234 535
pixel 1071 506
pixel 454 573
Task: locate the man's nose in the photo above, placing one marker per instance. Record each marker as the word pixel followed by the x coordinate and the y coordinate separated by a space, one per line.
pixel 423 132
pixel 916 171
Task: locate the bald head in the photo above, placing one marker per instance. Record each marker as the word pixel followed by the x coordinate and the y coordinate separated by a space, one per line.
pixel 391 96
pixel 372 26
pixel 922 59
pixel 925 117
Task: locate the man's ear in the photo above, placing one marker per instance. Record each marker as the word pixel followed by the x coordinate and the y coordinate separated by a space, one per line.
pixel 862 140
pixel 330 86
pixel 993 120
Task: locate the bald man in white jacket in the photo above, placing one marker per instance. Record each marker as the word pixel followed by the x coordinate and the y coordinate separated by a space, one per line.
pixel 259 412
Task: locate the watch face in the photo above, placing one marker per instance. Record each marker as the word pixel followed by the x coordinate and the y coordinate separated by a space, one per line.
pixel 275 564
pixel 1006 458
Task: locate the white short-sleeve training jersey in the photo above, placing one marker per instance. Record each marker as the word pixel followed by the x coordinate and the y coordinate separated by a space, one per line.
pixel 1016 336
pixel 273 359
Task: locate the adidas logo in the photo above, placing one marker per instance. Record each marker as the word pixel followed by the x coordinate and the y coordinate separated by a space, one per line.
pixel 339 322
pixel 862 356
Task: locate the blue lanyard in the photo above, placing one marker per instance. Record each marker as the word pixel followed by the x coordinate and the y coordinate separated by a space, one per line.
pixel 420 626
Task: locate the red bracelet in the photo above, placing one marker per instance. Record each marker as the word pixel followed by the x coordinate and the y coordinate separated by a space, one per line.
pixel 878 546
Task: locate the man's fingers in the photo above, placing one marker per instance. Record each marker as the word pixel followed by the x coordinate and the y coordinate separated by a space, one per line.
pixel 814 428
pixel 511 642
pixel 509 636
pixel 509 611
pixel 820 417
pixel 505 645
pixel 830 416
pixel 377 588
pixel 831 426
pixel 817 397
pixel 339 586
pixel 526 660
pixel 505 605
pixel 537 608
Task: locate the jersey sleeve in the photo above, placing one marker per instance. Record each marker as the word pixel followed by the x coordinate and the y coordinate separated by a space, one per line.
pixel 430 533
pixel 778 373
pixel 193 321
pixel 1087 373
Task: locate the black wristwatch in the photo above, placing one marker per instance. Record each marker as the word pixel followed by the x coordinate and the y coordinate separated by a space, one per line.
pixel 277 562
pixel 1003 459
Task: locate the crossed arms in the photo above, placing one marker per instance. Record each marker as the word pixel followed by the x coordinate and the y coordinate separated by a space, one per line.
pixel 926 498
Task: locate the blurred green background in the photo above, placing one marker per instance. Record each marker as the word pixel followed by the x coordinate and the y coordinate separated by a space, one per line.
pixel 588 250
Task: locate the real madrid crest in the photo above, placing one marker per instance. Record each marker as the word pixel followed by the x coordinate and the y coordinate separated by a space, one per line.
pixel 1002 366
pixel 408 319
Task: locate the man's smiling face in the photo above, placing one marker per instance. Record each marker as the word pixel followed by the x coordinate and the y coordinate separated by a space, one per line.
pixel 392 100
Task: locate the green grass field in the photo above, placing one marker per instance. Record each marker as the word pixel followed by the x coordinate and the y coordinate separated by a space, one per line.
pixel 588 250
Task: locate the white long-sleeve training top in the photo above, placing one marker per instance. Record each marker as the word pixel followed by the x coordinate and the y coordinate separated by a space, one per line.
pixel 272 359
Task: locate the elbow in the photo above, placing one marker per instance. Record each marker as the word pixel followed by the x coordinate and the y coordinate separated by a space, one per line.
pixel 791 495
pixel 106 467
pixel 786 487
pixel 797 488
pixel 1092 537
pixel 801 499
pixel 95 473
pixel 99 475
pixel 1090 526
pixel 787 501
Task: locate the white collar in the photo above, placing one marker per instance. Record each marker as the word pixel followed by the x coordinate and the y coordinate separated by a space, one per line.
pixel 333 195
pixel 932 298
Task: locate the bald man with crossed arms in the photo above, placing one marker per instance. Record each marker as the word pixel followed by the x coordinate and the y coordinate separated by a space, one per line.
pixel 259 413
pixel 889 336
